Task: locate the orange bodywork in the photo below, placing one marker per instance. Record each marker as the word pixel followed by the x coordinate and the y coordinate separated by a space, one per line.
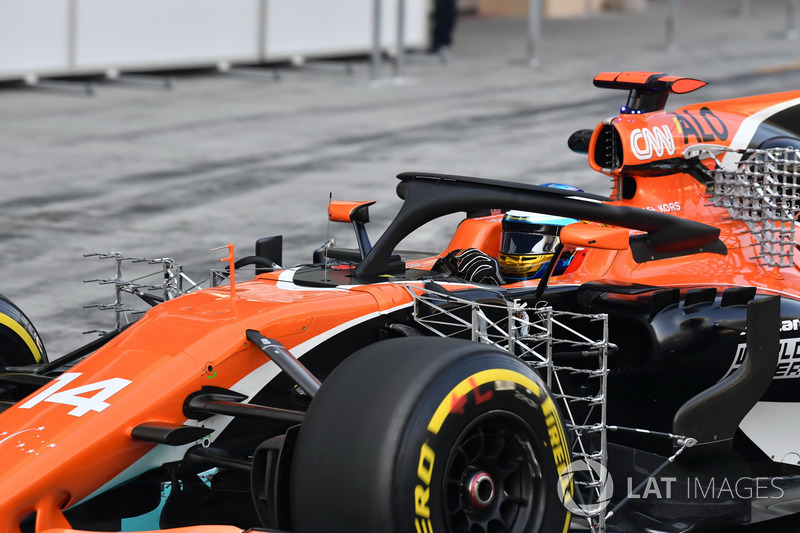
pixel 660 135
pixel 53 459
pixel 651 138
pixel 483 233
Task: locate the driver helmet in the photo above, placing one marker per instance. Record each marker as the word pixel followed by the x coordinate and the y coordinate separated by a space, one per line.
pixel 528 243
pixel 529 240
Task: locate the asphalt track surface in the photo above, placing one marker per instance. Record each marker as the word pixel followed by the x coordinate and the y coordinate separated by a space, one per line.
pixel 235 157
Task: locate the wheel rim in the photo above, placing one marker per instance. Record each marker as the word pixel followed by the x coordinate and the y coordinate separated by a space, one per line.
pixel 493 482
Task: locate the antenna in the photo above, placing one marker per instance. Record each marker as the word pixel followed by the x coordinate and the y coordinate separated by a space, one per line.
pixel 327 238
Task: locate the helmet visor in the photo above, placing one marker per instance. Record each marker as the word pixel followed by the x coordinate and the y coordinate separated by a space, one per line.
pixel 519 243
pixel 522 266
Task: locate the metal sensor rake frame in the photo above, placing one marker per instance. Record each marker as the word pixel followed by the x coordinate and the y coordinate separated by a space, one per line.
pixel 763 192
pixel 172 283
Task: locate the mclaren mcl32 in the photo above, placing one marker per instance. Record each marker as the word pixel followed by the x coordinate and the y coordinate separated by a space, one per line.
pixel 646 378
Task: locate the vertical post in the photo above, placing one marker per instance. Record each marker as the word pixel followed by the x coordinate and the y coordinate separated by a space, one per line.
pixel 548 320
pixel 604 408
pixel 672 25
pixel 262 31
pixel 744 9
pixel 793 7
pixel 400 46
pixel 534 31
pixel 375 63
pixel 72 33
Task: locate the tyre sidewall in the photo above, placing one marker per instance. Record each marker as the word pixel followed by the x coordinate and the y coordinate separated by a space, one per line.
pixel 483 384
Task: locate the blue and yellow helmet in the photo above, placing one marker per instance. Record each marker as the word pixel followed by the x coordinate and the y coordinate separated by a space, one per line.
pixel 528 243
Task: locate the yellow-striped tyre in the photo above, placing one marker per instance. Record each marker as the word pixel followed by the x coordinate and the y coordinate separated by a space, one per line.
pixel 430 435
pixel 20 343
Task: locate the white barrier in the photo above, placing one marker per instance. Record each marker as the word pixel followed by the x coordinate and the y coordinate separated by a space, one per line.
pixel 318 28
pixel 34 37
pixel 150 33
pixel 63 37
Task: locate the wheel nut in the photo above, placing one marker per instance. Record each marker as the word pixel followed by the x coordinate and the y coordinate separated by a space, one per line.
pixel 480 489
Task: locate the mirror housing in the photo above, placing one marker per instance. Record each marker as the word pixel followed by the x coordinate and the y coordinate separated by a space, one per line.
pixel 339 211
pixel 593 236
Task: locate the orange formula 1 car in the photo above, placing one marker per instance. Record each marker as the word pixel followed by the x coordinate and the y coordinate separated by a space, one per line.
pixel 631 365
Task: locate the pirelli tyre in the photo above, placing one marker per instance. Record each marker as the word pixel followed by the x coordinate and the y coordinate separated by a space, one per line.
pixel 430 435
pixel 20 343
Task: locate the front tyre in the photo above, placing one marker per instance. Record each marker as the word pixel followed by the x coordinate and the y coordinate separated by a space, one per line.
pixel 20 343
pixel 430 435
